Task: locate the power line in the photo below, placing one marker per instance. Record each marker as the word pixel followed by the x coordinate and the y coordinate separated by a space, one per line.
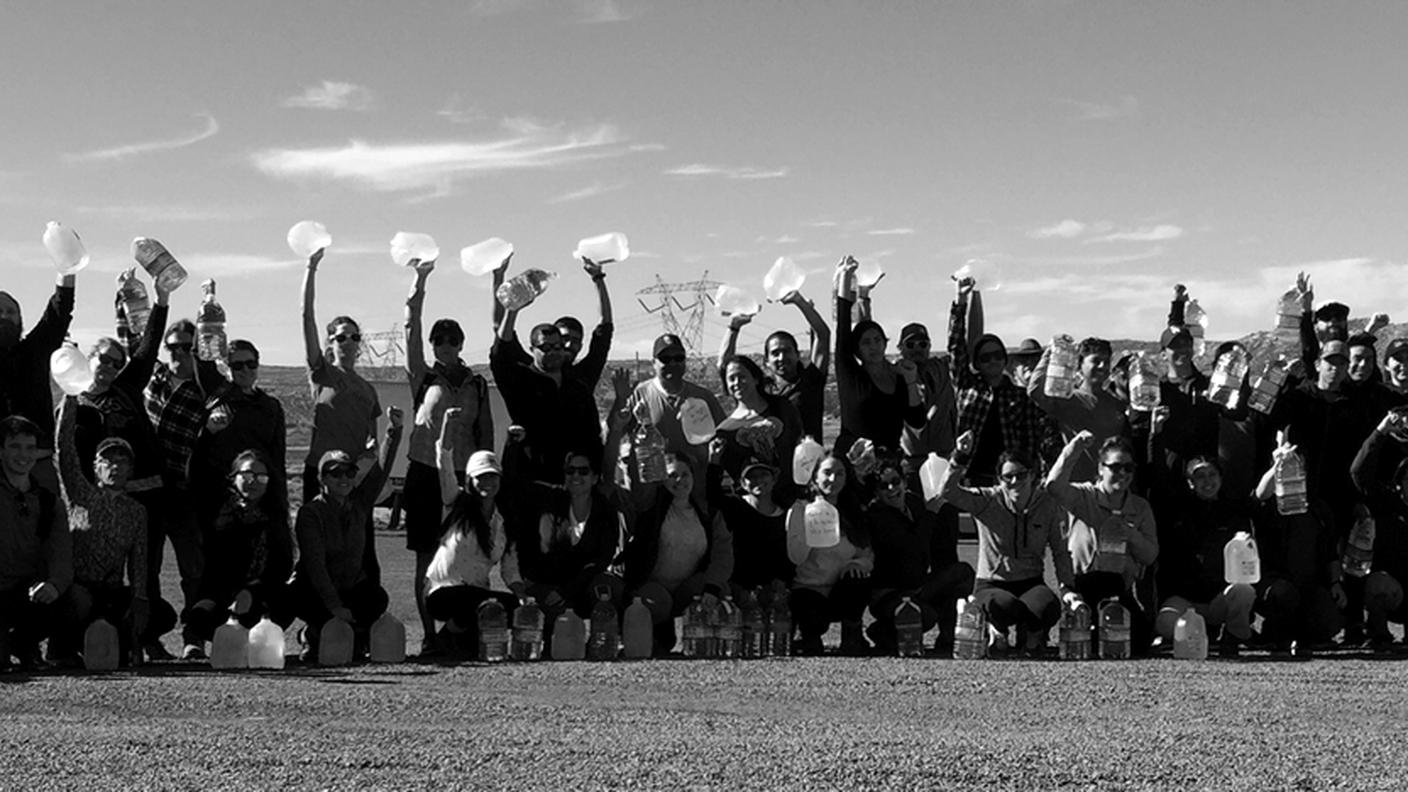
pixel 700 294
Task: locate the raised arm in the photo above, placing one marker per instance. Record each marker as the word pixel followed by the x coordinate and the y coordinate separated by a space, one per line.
pixel 497 311
pixel 844 297
pixel 48 333
pixel 1058 481
pixel 951 489
pixel 73 484
pixel 371 486
pixel 1364 469
pixel 959 349
pixel 821 332
pixel 1036 385
pixel 445 456
pixel 312 339
pixel 728 348
pixel 415 304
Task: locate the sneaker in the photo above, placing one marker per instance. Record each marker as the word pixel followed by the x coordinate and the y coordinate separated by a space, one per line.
pixel 1301 650
pixel 30 660
pixel 193 652
pixel 155 652
pixel 997 642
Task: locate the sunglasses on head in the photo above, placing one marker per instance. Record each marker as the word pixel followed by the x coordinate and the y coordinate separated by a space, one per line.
pixel 241 365
pixel 343 338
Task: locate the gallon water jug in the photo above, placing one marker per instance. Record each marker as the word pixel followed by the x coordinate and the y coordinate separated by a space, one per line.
pixel 1144 382
pixel 211 341
pixel 407 247
pixel 521 290
pixel 1287 332
pixel 1061 368
pixel 308 237
pixel 1196 320
pixel 1268 386
pixel 970 634
pixel 335 643
pixel 1115 637
pixel 1291 497
pixel 1225 384
pixel 697 421
pixel 1241 563
pixel 136 305
pixel 779 617
pixel 649 448
pixel 166 272
pixel 526 643
pixel 1190 637
pixel 1358 557
pixel 698 637
pixel 65 248
pixel 733 301
pixel 755 631
pixel 730 629
pixel 603 249
pixel 638 631
pixel 101 646
pixel 822 524
pixel 485 257
pixel 804 460
pixel 1074 633
pixel 492 621
pixel 868 273
pixel 387 640
pixel 70 369
pixel 909 629
pixel 569 637
pixel 931 475
pixel 229 647
pixel 986 275
pixel 266 645
pixel 784 278
pixel 604 641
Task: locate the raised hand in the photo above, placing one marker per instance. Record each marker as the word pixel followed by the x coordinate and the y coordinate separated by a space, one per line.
pixel 593 268
pixel 965 443
pixel 737 321
pixel 394 417
pixel 621 384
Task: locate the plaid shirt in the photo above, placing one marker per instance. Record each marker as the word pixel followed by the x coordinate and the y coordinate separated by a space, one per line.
pixel 1025 427
pixel 178 410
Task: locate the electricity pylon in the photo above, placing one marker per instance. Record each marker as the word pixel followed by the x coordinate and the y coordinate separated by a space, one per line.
pixel 700 294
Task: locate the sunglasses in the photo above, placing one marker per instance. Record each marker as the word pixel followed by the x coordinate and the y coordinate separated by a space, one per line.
pixel 180 347
pixel 891 484
pixel 1013 478
pixel 340 472
pixel 343 338
pixel 990 357
pixel 577 470
pixel 1118 467
pixel 262 478
pixel 446 341
pixel 110 360
pixel 667 359
pixel 549 347
pixel 241 365
pixel 918 343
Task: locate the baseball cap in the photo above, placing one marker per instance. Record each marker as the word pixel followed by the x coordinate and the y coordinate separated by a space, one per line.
pixel 913 329
pixel 755 463
pixel 1334 349
pixel 481 462
pixel 1029 346
pixel 1332 311
pixel 1395 346
pixel 668 342
pixel 1175 336
pixel 335 458
pixel 115 444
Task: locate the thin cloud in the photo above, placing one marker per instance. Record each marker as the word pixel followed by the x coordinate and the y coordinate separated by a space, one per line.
pixel 118 153
pixel 456 112
pixel 332 95
pixel 647 147
pixel 1157 233
pixel 820 223
pixel 167 213
pixel 1066 229
pixel 1126 106
pixel 1075 261
pixel 785 239
pixel 890 232
pixel 206 265
pixel 699 169
pixel 599 12
pixel 590 191
pixel 398 167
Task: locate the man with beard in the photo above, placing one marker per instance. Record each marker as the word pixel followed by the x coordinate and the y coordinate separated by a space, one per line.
pixel 24 368
pixel 665 395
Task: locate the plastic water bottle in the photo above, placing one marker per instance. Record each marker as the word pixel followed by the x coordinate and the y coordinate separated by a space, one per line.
pixel 986 275
pixel 211 341
pixel 1358 557
pixel 1291 497
pixel 1196 320
pixel 784 278
pixel 1143 382
pixel 804 460
pixel 1061 368
pixel 65 248
pixel 308 237
pixel 733 301
pixel 696 629
pixel 970 635
pixel 335 643
pixel 229 647
pixel 493 631
pixel 1115 638
pixel 1190 637
pixel 696 421
pixel 909 629
pixel 1074 633
pixel 822 524
pixel 779 617
pixel 387 640
pixel 569 637
pixel 729 629
pixel 649 448
pixel 136 305
pixel 1241 562
pixel 70 369
pixel 485 257
pixel 166 272
pixel 754 626
pixel 604 642
pixel 526 643
pixel 931 473
pixel 407 247
pixel 1287 332
pixel 1268 386
pixel 100 646
pixel 266 645
pixel 868 273
pixel 604 249
pixel 522 289
pixel 1225 384
pixel 638 630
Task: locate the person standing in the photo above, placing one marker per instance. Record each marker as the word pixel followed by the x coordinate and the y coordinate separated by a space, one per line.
pixel 586 371
pixel 802 382
pixel 24 367
pixel 1090 407
pixel 664 396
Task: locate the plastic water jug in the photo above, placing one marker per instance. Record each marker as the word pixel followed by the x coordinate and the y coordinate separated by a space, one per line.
pixel 779 617
pixel 308 237
pixel 569 637
pixel 335 643
pixel 784 278
pixel 822 524
pixel 1074 633
pixel 603 249
pixel 229 647
pixel 1061 368
pixel 1225 384
pixel 754 625
pixel 136 305
pixel 387 640
pixel 1358 557
pixel 986 275
pixel 909 629
pixel 638 631
pixel 697 632
pixel 868 273
pixel 1196 320
pixel 1288 314
pixel 804 460
pixel 101 646
pixel 1241 563
pixel 407 247
pixel 521 290
pixel 484 257
pixel 65 248
pixel 730 628
pixel 1291 497
pixel 211 341
pixel 970 634
pixel 1268 386
pixel 166 272
pixel 1143 382
pixel 733 301
pixel 70 369
pixel 931 475
pixel 1115 636
pixel 1190 637
pixel 696 421
pixel 604 641
pixel 526 643
pixel 492 621
pixel 266 645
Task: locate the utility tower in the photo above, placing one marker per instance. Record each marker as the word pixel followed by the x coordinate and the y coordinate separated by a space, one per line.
pixel 700 295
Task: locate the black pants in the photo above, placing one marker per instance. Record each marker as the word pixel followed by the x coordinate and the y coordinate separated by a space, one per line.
pixel 936 599
pixel 208 614
pixel 367 601
pixel 1028 604
pixel 1093 587
pixel 581 597
pixel 813 612
pixel 460 604
pixel 24 623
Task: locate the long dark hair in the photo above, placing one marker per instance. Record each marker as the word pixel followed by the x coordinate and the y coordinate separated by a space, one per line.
pixel 848 503
pixel 764 382
pixel 269 502
pixel 467 516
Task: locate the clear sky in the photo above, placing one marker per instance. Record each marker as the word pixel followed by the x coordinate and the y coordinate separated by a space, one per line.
pixel 1094 153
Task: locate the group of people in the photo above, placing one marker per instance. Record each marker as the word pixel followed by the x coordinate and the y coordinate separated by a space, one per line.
pixel 579 507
